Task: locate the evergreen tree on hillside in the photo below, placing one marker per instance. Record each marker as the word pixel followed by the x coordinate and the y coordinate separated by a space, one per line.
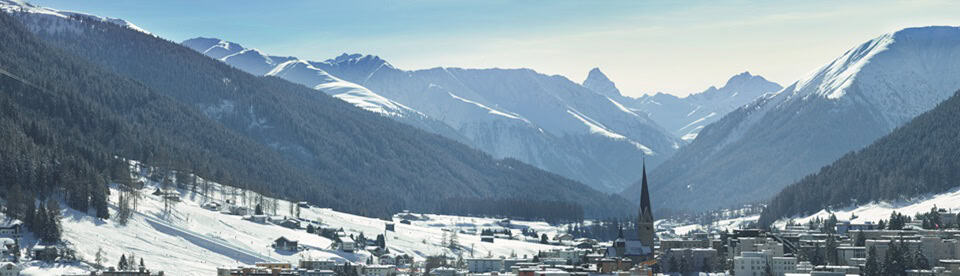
pixel 122 264
pixel 919 259
pixel 831 248
pixel 872 267
pixel 861 239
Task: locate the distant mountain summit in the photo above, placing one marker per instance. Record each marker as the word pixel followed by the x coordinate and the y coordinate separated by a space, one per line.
pixel 684 117
pixel 547 121
pixel 598 82
pixel 865 93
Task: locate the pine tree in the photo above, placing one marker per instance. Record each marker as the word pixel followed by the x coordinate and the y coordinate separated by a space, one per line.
pixel 98 258
pixel 674 265
pixel 861 239
pixel 141 263
pixel 124 212
pixel 831 248
pixel 132 261
pixel 454 243
pixel 908 261
pixel 919 260
pixel 122 265
pixel 42 223
pixel 872 267
pixel 54 230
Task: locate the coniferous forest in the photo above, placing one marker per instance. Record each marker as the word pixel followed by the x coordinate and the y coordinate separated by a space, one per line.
pixel 919 158
pixel 75 103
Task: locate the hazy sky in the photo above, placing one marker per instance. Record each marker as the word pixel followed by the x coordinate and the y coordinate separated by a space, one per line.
pixel 677 47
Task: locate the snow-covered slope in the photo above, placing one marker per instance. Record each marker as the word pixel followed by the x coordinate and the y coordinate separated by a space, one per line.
pixel 684 117
pixel 192 240
pixel 547 121
pixel 876 211
pixel 18 6
pixel 758 149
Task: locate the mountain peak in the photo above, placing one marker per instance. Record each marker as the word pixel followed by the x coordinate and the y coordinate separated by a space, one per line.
pixel 598 82
pixel 14 6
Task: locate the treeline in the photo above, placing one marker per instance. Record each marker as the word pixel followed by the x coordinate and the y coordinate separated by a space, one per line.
pixel 296 142
pixel 605 230
pixel 919 158
pixel 515 208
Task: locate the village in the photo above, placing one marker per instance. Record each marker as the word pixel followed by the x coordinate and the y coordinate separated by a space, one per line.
pixel 308 240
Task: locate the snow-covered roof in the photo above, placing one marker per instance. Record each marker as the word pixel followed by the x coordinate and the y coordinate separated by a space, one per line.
pixel 10 223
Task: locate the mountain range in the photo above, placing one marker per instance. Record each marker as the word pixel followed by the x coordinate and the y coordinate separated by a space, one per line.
pixel 547 121
pixel 169 105
pixel 756 150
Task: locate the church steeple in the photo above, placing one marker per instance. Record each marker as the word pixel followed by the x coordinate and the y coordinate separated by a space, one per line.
pixel 644 192
pixel 645 229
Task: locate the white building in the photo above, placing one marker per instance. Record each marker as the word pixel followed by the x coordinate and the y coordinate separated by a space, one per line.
pixel 755 264
pixel 750 264
pixel 569 255
pixel 484 265
pixel 379 270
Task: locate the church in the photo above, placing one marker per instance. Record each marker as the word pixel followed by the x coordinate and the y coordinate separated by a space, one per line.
pixel 639 249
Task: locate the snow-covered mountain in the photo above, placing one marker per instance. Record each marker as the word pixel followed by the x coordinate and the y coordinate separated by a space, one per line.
pixel 758 149
pixel 302 72
pixel 547 121
pixel 20 6
pixel 684 117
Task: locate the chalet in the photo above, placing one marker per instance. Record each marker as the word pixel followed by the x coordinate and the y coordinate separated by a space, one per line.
pixel 262 219
pixel 285 244
pixel 407 222
pixel 390 226
pixel 303 204
pixel 7 247
pixel 238 210
pixel 387 259
pixel 213 206
pixel 346 244
pixel 318 264
pixel 563 237
pixel 10 228
pixel 486 239
pixel 291 223
pixel 277 219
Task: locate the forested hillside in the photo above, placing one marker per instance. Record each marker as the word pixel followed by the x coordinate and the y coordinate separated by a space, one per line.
pixel 922 157
pixel 318 148
pixel 63 121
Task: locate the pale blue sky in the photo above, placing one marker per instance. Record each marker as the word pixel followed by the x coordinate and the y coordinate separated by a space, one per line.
pixel 677 47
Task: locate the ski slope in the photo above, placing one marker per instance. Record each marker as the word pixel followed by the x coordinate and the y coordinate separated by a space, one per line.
pixel 191 240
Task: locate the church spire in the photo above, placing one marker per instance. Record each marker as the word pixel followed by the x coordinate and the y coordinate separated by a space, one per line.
pixel 644 191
